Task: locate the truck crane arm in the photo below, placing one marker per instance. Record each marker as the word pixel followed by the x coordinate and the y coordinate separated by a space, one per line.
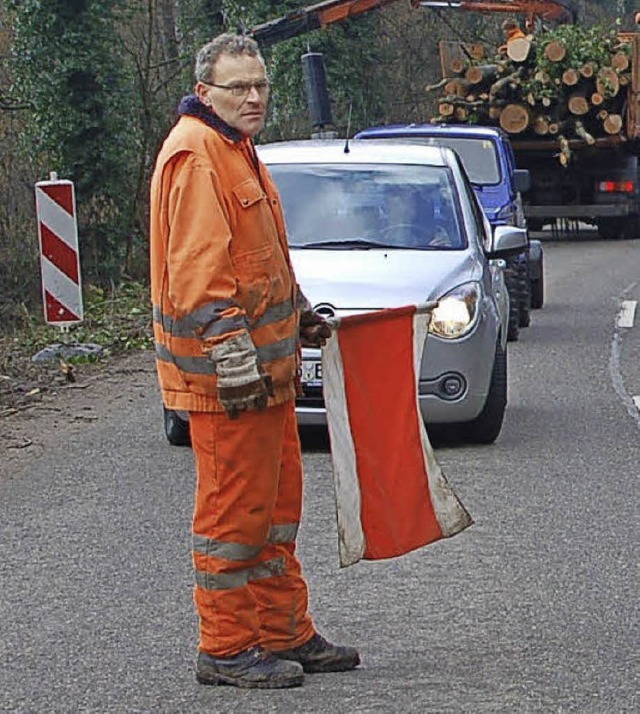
pixel 314 17
pixel 557 11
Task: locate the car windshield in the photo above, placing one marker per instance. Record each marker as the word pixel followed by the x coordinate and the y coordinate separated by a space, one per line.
pixel 479 156
pixel 368 206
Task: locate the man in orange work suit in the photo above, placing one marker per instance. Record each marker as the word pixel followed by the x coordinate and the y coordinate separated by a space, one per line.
pixel 228 320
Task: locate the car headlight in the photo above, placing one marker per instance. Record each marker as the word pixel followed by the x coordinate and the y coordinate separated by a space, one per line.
pixel 456 312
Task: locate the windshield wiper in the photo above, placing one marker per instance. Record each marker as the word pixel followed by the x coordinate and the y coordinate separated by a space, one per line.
pixel 343 244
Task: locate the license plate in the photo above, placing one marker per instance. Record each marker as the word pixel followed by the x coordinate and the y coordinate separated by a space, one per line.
pixel 312 373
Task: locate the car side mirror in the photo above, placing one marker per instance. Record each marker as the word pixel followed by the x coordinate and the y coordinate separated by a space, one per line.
pixel 522 180
pixel 508 240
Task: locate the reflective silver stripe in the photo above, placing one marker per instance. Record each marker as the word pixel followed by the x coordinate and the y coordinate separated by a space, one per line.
pixel 193 365
pixel 203 365
pixel 221 549
pixel 207 316
pixel 277 350
pixel 224 325
pixel 275 313
pixel 229 581
pixel 283 533
pixel 211 312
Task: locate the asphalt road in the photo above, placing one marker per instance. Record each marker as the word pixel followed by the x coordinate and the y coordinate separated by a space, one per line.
pixel 532 609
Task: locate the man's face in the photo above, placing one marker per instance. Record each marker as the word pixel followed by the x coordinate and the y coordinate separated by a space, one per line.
pixel 245 112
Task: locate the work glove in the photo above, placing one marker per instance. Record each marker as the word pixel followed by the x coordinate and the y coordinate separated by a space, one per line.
pixel 242 383
pixel 314 329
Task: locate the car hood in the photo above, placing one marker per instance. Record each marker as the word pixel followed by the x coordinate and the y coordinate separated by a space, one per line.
pixel 356 280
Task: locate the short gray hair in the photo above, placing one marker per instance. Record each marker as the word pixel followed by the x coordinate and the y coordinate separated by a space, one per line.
pixel 227 43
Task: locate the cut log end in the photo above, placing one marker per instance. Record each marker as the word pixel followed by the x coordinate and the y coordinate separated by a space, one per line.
pixel 620 61
pixel 518 49
pixel 515 118
pixel 607 82
pixel 457 66
pixel 570 77
pixel 555 51
pixel 477 51
pixel 541 126
pixel 588 70
pixel 612 124
pixel 578 105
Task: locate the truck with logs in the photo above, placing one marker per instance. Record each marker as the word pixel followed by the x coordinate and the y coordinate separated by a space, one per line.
pixel 568 96
pixel 569 99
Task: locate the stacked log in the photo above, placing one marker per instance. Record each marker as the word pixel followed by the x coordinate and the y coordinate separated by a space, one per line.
pixel 569 83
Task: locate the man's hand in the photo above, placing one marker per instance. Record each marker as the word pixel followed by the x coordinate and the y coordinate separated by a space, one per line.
pixel 242 382
pixel 314 330
pixel 241 398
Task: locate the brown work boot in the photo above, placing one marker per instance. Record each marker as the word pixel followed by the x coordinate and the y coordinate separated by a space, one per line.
pixel 318 655
pixel 251 669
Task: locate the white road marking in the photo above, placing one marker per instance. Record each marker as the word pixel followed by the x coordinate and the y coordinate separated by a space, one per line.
pixel 630 403
pixel 627 313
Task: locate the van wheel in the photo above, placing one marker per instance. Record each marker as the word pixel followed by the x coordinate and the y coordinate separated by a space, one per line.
pixel 513 288
pixel 537 288
pixel 484 429
pixel 525 295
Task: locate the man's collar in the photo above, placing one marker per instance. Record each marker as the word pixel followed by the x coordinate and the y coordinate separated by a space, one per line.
pixel 191 106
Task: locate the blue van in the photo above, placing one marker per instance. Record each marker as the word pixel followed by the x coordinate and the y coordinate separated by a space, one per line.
pixel 488 159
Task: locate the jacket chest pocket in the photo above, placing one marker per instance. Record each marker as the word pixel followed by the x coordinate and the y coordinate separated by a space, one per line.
pixel 260 269
pixel 255 226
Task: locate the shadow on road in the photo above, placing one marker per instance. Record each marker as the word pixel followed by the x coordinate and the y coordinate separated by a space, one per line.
pixel 315 438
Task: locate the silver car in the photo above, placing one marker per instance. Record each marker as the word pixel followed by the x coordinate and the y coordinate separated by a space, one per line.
pixel 373 225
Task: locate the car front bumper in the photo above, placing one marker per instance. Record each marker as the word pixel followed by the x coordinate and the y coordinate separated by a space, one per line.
pixel 455 377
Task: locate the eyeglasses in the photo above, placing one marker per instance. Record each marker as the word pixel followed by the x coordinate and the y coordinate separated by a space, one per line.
pixel 242 89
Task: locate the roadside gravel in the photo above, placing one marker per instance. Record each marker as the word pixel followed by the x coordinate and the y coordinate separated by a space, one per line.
pixel 42 406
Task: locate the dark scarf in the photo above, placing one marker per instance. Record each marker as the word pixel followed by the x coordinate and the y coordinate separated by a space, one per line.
pixel 191 106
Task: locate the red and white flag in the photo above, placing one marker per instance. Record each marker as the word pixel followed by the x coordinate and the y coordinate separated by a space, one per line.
pixel 391 494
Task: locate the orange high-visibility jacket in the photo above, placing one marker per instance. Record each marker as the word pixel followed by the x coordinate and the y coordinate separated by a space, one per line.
pixel 219 263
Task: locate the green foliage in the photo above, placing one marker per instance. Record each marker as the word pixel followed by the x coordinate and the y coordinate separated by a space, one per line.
pixel 71 73
pixel 352 62
pixel 584 45
pixel 89 88
pixel 118 319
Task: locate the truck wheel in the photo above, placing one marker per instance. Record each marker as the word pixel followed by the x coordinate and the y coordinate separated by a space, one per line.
pixel 535 224
pixel 611 228
pixel 513 288
pixel 176 428
pixel 484 429
pixel 632 228
pixel 537 288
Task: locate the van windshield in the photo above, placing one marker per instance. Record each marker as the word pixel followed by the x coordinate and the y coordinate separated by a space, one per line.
pixel 479 156
pixel 365 206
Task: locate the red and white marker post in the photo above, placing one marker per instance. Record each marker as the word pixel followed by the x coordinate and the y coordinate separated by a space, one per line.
pixel 59 255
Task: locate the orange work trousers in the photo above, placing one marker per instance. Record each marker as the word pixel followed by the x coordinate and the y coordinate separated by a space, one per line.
pixel 249 587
